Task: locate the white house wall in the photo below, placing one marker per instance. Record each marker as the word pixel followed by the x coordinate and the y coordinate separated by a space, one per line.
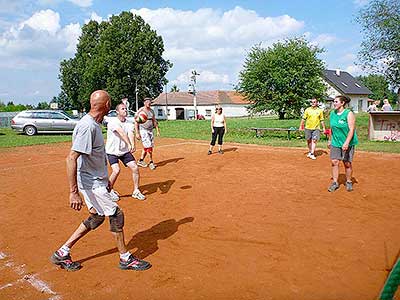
pixel 332 92
pixel 229 111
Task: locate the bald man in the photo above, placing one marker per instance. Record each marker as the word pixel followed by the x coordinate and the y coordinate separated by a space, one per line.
pixel 87 175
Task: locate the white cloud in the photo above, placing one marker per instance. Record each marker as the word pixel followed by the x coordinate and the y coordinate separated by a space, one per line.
pixel 82 3
pixel 354 70
pixel 94 17
pixel 45 20
pixel 206 76
pixel 323 40
pixel 360 2
pixel 214 40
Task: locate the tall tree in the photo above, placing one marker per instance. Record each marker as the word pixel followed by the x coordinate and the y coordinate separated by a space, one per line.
pixel 119 55
pixel 174 88
pixel 281 78
pixel 379 87
pixel 380 48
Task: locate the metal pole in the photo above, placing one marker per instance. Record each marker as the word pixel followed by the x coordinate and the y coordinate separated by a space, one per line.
pixel 136 96
pixel 195 104
pixel 166 100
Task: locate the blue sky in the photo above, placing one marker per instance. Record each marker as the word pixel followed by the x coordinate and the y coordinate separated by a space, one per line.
pixel 212 37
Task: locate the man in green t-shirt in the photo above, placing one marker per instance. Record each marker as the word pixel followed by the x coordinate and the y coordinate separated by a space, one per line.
pixel 312 117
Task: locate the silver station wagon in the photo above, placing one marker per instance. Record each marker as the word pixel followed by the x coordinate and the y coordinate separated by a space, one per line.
pixel 43 121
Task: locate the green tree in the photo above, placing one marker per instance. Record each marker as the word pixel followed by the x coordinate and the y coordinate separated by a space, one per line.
pixel 43 105
pixel 63 101
pixel 174 88
pixel 281 78
pixel 378 86
pixel 380 48
pixel 118 55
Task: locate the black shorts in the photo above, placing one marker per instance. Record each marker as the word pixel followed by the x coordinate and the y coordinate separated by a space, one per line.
pixel 126 158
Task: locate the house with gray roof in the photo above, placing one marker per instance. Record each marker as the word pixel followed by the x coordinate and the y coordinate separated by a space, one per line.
pixel 342 83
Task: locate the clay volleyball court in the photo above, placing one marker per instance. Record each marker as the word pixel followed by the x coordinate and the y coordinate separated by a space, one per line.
pixel 254 223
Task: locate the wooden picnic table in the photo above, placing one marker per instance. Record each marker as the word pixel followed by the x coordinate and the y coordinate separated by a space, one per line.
pixel 259 130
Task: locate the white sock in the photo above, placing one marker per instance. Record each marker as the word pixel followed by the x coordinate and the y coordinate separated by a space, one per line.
pixel 64 250
pixel 125 256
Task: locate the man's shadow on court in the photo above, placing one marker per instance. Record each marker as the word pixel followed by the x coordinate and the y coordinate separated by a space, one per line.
pixel 168 161
pixel 163 186
pixel 151 188
pixel 320 152
pixel 146 242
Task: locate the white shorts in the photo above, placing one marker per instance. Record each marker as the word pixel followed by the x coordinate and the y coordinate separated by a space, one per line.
pixel 99 199
pixel 147 137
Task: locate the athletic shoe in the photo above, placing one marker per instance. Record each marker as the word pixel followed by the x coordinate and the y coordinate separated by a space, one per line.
pixel 349 186
pixel 333 187
pixel 312 156
pixel 138 195
pixel 114 195
pixel 65 262
pixel 152 166
pixel 134 263
pixel 308 154
pixel 209 152
pixel 221 151
pixel 141 163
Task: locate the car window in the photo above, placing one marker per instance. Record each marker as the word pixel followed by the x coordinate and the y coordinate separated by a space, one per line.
pixel 25 114
pixel 112 113
pixel 58 116
pixel 41 115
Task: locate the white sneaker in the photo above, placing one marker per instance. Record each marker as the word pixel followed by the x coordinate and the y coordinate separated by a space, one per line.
pixel 141 163
pixel 152 166
pixel 312 156
pixel 138 195
pixel 114 195
pixel 308 154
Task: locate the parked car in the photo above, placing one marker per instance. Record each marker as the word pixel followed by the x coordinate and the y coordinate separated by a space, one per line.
pixel 43 121
pixel 112 114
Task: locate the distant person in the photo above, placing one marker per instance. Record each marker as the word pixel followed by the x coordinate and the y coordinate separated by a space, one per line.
pixel 145 133
pixel 342 141
pixel 386 105
pixel 218 129
pixel 313 116
pixel 374 106
pixel 120 146
pixel 87 174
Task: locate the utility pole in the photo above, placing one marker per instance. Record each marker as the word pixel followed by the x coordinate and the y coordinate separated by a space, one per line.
pixel 166 100
pixel 192 90
pixel 136 96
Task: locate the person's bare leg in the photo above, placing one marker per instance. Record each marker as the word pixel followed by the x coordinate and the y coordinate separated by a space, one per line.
pixel 312 146
pixel 349 171
pixel 114 174
pixel 80 232
pixel 309 146
pixel 143 155
pixel 335 170
pixel 120 241
pixel 135 174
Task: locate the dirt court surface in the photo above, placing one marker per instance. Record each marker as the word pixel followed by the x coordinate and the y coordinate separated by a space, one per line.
pixel 254 223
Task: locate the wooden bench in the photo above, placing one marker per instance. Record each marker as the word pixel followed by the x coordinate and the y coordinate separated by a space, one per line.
pixel 260 130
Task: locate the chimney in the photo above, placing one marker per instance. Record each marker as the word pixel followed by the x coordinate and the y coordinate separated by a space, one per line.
pixel 337 72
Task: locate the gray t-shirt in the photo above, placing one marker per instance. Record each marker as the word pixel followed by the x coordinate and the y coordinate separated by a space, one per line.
pixel 88 140
pixel 148 125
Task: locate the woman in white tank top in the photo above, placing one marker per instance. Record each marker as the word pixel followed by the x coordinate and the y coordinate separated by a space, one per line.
pixel 218 128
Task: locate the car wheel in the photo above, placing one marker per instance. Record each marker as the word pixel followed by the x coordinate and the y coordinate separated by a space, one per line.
pixel 30 130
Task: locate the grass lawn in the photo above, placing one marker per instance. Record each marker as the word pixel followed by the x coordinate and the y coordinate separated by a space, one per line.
pixel 238 132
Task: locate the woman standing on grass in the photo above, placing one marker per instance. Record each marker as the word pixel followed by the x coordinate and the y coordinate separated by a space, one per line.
pixel 342 141
pixel 218 128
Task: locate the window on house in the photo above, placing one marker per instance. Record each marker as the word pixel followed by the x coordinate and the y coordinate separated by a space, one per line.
pixel 168 111
pixel 357 85
pixel 344 84
pixel 159 112
pixel 208 112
